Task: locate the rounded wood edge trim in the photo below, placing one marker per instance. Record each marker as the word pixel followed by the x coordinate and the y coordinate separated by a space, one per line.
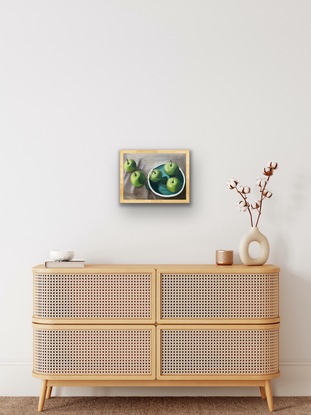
pixel 198 321
pixel 93 327
pixel 162 268
pixel 91 321
pixel 97 269
pixel 220 327
pixel 165 380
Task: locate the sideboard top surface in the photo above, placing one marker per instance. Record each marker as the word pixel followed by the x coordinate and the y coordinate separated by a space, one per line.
pixel 162 268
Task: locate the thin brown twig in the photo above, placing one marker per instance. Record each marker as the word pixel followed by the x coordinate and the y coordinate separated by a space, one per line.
pixel 247 204
pixel 261 200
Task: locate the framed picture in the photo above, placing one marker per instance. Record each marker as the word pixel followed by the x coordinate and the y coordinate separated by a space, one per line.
pixel 154 176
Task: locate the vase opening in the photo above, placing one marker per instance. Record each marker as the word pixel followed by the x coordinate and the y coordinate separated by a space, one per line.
pixel 254 249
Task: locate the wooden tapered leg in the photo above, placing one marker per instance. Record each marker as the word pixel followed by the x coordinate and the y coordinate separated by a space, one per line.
pixel 48 392
pixel 262 392
pixel 269 395
pixel 42 395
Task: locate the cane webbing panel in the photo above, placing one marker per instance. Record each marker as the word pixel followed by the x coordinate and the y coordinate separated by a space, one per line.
pixel 111 296
pixel 93 352
pixel 221 352
pixel 247 296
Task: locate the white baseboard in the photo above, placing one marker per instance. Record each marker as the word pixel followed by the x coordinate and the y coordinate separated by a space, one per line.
pixel 16 380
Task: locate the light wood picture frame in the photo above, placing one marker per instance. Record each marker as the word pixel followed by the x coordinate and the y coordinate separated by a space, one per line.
pixel 155 176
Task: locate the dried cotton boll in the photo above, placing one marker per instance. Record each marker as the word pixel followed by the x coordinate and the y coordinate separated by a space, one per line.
pixel 267 171
pixel 273 165
pixel 232 183
pixel 243 205
pixel 246 189
pixel 261 182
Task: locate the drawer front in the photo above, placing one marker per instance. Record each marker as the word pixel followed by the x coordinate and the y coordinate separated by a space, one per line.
pixel 206 351
pixel 108 352
pixel 187 298
pixel 102 297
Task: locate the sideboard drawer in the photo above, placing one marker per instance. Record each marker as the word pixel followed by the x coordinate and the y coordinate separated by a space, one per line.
pixel 106 297
pixel 108 352
pixel 206 351
pixel 218 298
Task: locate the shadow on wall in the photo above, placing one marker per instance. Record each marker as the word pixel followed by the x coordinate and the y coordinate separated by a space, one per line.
pixel 295 308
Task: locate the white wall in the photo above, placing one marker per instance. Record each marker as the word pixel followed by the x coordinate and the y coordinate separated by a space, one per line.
pixel 80 80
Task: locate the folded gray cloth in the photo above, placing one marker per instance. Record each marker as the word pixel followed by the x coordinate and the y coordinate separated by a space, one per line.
pixel 132 192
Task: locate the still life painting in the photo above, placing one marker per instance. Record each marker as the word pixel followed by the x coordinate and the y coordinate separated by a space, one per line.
pixel 154 176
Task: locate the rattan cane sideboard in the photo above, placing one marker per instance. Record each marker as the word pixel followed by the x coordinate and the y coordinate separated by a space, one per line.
pixel 156 325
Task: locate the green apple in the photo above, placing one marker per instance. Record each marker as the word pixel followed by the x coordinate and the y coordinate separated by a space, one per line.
pixel 129 165
pixel 173 185
pixel 170 168
pixel 138 178
pixel 156 175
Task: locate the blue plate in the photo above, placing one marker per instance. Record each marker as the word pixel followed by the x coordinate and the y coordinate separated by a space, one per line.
pixel 160 188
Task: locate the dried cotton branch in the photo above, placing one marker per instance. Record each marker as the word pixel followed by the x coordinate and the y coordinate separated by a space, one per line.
pixel 243 191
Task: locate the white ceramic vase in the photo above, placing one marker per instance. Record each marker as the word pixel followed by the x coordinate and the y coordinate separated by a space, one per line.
pixel 254 235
